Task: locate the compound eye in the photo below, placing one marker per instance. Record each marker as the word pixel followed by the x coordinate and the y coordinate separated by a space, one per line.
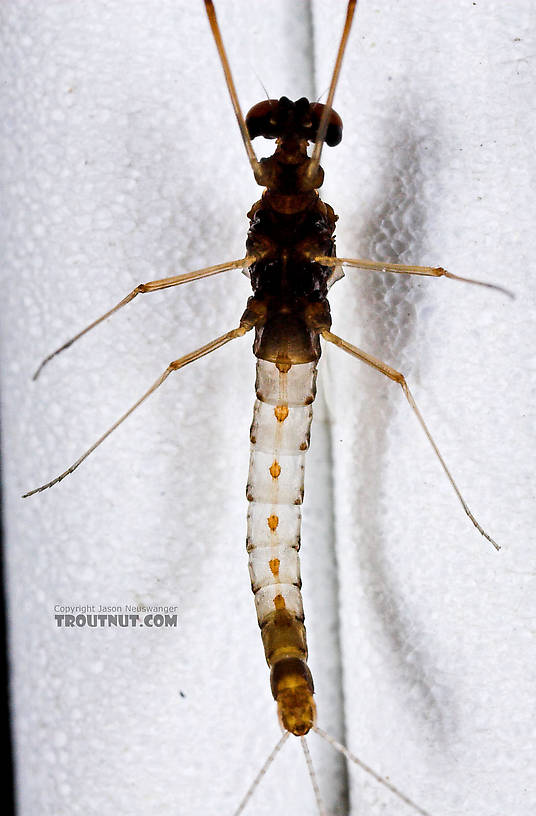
pixel 262 119
pixel 334 131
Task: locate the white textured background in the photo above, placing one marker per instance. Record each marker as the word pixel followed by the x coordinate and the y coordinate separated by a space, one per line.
pixel 121 162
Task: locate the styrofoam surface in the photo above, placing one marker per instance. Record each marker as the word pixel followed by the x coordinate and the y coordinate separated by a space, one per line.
pixel 121 162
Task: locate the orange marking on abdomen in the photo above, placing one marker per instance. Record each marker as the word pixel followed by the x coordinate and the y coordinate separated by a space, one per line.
pixel 273 521
pixel 275 469
pixel 279 602
pixel 281 412
pixel 274 566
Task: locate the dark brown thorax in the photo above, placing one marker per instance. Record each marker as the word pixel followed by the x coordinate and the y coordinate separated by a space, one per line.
pixel 289 228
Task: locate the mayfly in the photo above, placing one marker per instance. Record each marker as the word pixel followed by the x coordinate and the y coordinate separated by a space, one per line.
pixel 290 258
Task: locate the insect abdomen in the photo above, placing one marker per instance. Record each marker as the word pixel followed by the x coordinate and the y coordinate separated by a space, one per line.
pixel 279 439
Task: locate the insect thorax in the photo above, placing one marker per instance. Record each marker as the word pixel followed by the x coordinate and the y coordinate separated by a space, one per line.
pixel 290 287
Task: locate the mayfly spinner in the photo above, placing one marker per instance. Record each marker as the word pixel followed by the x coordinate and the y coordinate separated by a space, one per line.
pixel 291 261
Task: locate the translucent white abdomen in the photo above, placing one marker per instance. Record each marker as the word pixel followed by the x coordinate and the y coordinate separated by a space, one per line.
pixel 279 439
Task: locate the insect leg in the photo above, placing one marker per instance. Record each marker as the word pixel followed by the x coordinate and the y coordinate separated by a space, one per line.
pixel 142 288
pixel 323 126
pixel 396 376
pixel 216 33
pixel 173 366
pixel 432 271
